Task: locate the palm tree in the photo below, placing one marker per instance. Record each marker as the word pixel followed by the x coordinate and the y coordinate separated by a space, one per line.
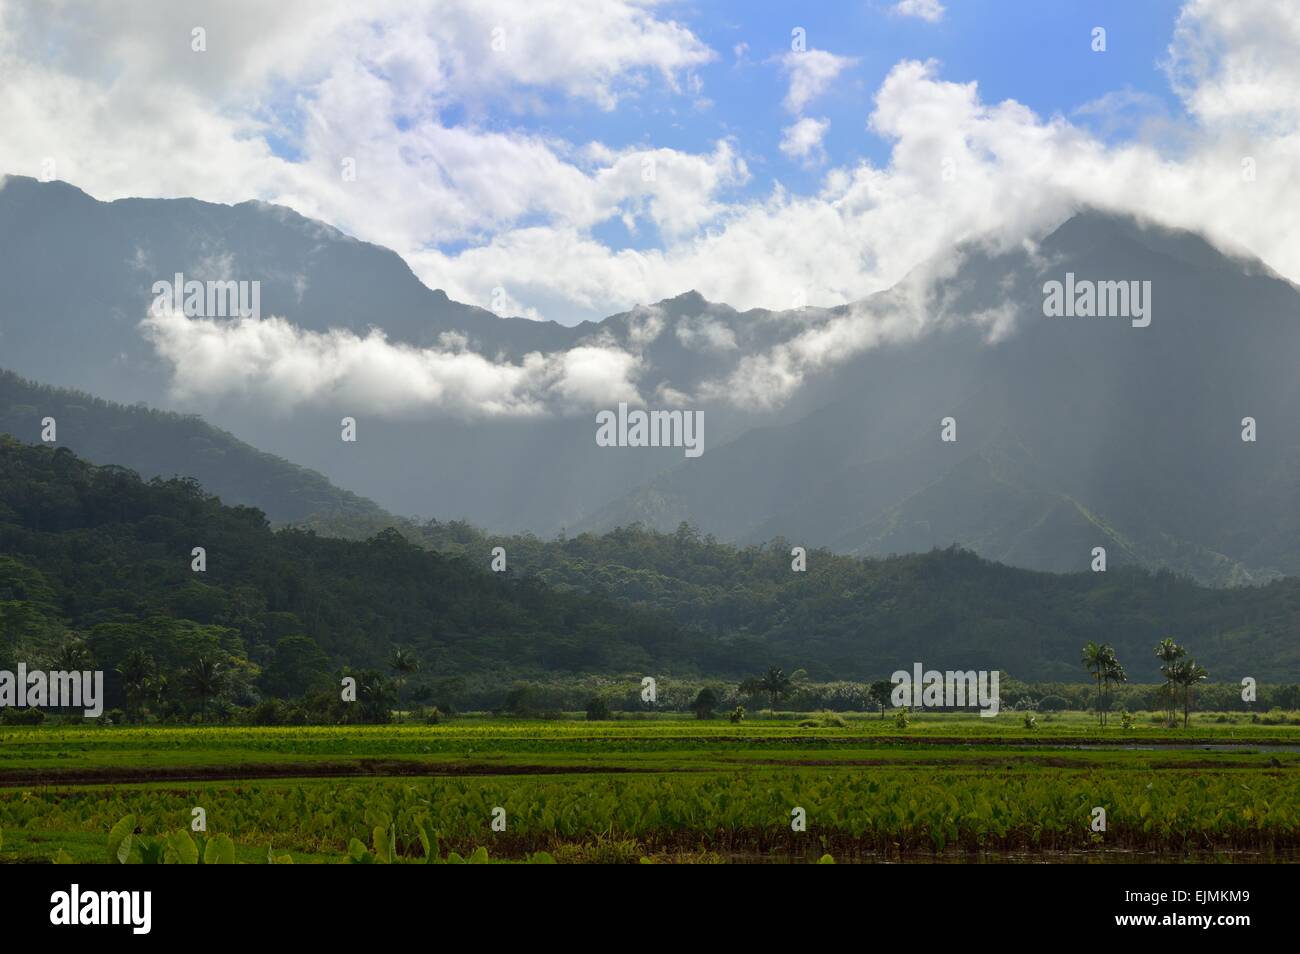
pixel 1169 653
pixel 1113 672
pixel 403 663
pixel 159 687
pixel 1187 673
pixel 1095 659
pixel 206 677
pixel 72 655
pixel 774 682
pixel 137 671
pixel 373 695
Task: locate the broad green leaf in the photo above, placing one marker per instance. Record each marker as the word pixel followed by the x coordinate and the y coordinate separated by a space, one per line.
pixel 383 841
pixel 120 834
pixel 429 841
pixel 151 850
pixel 182 848
pixel 220 850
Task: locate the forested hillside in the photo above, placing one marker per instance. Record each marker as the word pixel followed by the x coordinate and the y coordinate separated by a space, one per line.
pixel 850 617
pixel 162 443
pixel 98 558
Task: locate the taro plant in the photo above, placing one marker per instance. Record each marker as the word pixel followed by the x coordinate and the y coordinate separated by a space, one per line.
pixel 127 846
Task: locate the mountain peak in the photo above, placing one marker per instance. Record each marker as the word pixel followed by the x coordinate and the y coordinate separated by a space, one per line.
pixel 688 299
pixel 21 188
pixel 1091 224
pixel 1093 227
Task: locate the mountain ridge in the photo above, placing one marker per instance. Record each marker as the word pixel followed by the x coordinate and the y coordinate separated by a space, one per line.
pixel 1136 428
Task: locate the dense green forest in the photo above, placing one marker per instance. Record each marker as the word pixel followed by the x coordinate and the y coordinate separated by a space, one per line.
pixel 161 443
pixel 98 558
pixel 96 561
pixel 846 617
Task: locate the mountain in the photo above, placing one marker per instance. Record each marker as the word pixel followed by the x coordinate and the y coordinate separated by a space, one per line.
pixel 1071 432
pixel 97 553
pixel 79 275
pixel 823 424
pixel 162 444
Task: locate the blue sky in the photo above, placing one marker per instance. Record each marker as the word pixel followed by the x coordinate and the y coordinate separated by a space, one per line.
pixel 1038 53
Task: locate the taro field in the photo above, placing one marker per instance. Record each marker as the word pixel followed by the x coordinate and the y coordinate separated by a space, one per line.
pixel 857 789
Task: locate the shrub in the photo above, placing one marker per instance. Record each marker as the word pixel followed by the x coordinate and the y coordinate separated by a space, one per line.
pixel 597 709
pixel 737 714
pixel 520 700
pixel 22 716
pixel 705 703
pixel 266 712
pixel 1052 704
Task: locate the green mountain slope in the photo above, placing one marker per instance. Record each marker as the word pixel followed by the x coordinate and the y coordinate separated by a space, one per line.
pixel 163 444
pixel 97 553
pixel 849 617
pixel 100 554
pixel 1071 433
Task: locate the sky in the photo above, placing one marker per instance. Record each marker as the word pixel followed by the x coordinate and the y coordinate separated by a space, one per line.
pixel 569 159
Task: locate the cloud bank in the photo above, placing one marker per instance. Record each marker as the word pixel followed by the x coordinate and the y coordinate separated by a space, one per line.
pixel 282 368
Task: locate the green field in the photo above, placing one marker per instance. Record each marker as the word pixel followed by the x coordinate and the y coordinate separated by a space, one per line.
pixel 667 789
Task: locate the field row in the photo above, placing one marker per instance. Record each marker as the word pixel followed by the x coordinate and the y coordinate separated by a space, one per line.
pixel 849 812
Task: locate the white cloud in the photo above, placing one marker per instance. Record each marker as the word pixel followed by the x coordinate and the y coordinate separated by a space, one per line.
pixel 803 140
pixel 124 106
pixel 811 72
pixel 914 307
pixel 1239 62
pixel 702 333
pixel 931 10
pixel 282 367
pixel 1012 173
